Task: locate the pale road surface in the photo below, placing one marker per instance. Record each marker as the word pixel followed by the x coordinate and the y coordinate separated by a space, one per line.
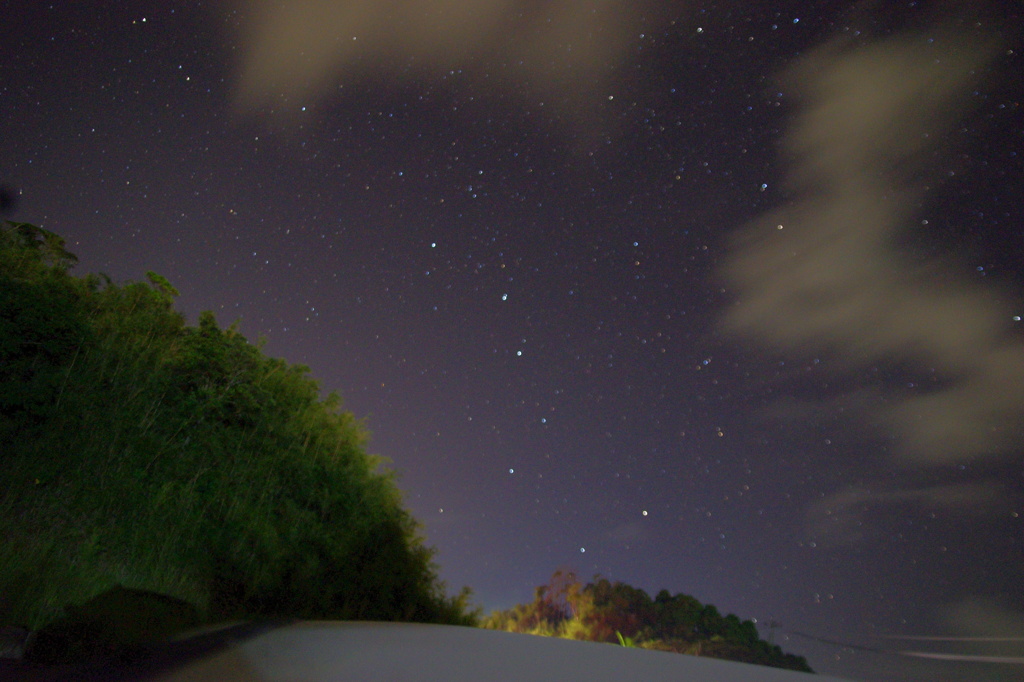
pixel 321 651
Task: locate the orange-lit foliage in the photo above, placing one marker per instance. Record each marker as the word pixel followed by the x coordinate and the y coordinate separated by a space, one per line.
pixel 605 611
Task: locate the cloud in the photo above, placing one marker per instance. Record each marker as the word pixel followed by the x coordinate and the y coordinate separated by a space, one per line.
pixel 985 619
pixel 990 632
pixel 823 274
pixel 842 518
pixel 301 50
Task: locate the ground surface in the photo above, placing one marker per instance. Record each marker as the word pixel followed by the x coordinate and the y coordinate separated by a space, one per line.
pixel 395 652
pixel 392 651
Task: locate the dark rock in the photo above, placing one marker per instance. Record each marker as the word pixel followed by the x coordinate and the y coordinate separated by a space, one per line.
pixel 111 624
pixel 14 641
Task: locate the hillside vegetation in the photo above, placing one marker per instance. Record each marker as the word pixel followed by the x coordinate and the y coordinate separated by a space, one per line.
pixel 604 611
pixel 139 451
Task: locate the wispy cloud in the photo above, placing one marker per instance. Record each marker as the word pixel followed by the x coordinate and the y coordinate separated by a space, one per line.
pixel 985 620
pixel 823 274
pixel 844 517
pixel 300 51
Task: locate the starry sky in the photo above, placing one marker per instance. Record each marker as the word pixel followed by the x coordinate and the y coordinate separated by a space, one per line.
pixel 723 298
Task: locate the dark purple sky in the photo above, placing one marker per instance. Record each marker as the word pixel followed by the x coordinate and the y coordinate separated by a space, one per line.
pixel 691 295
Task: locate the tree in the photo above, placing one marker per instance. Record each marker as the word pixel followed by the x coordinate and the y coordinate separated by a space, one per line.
pixel 605 611
pixel 138 450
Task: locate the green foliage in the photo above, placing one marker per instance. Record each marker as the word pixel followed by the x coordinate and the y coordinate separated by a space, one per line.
pixel 139 451
pixel 42 324
pixel 603 611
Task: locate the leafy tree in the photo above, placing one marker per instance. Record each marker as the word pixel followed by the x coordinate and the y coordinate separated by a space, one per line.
pixel 678 616
pixel 605 611
pixel 42 325
pixel 615 608
pixel 138 450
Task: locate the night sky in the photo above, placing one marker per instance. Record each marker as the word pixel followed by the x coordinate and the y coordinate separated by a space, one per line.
pixel 717 297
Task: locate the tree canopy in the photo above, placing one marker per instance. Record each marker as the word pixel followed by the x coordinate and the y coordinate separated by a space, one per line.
pixel 137 450
pixel 604 611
